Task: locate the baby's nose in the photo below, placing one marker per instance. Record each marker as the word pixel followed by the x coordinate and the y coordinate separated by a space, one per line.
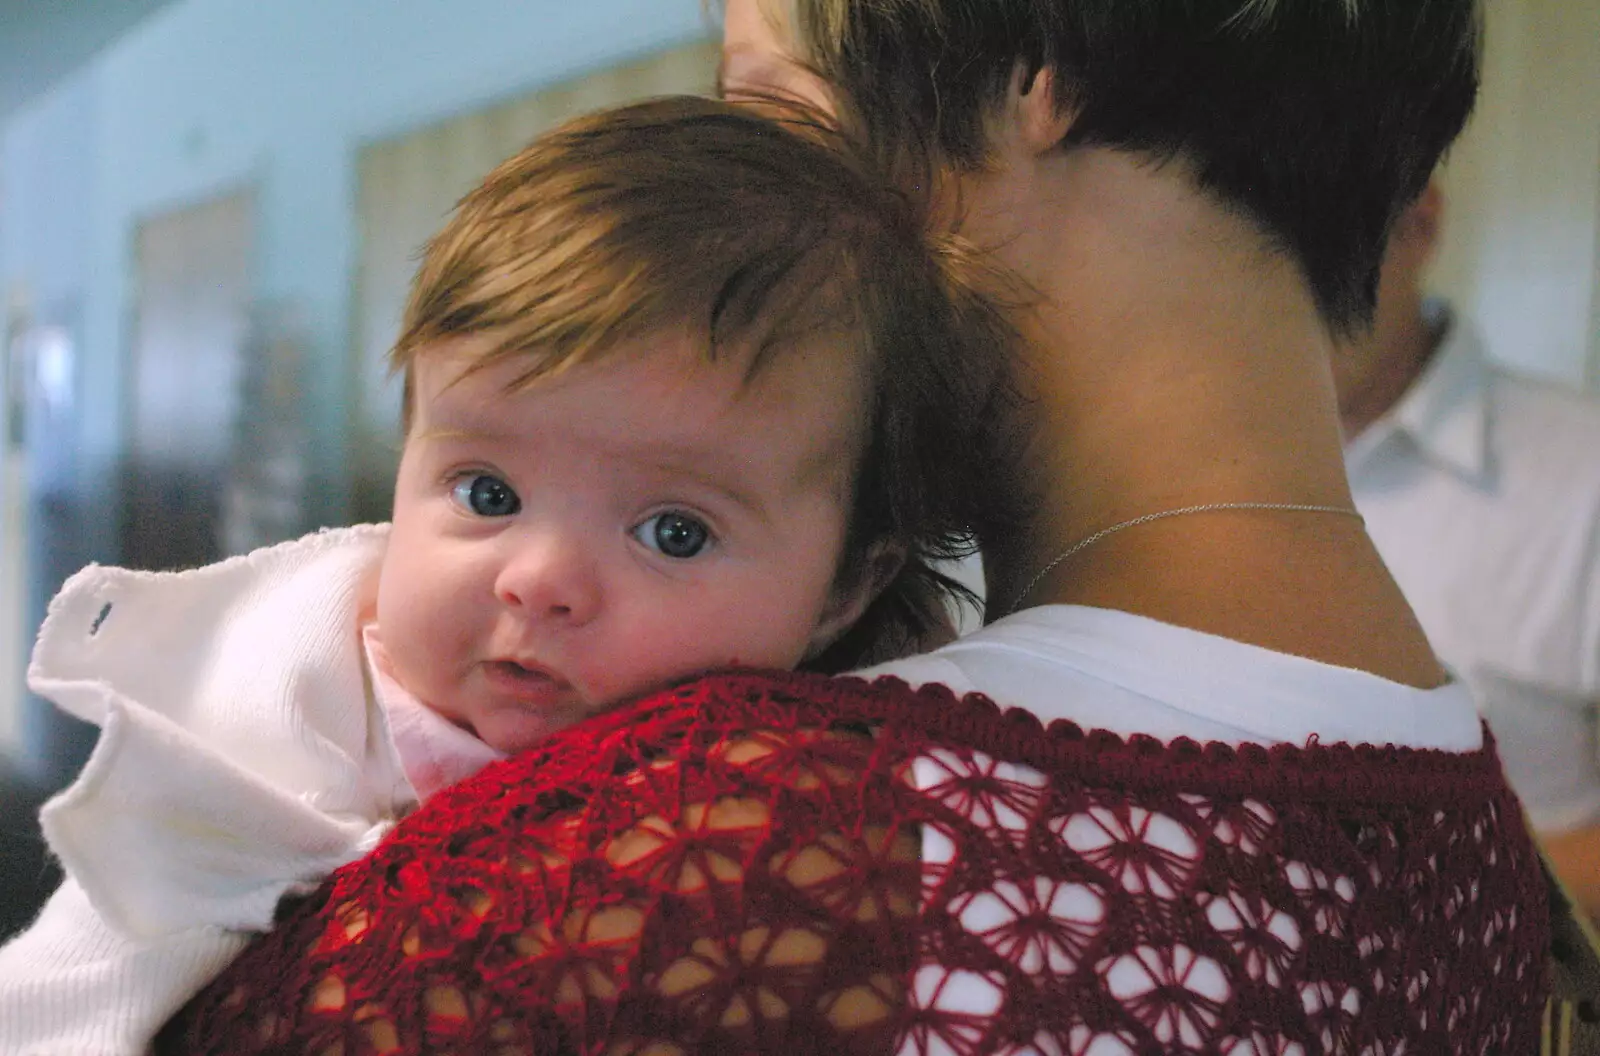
pixel 551 576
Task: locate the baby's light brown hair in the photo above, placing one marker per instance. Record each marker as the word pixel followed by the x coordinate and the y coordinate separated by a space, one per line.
pixel 762 232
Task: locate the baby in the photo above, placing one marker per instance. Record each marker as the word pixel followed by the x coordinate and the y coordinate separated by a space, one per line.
pixel 685 388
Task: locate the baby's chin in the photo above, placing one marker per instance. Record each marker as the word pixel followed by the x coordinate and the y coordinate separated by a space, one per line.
pixel 510 725
pixel 510 730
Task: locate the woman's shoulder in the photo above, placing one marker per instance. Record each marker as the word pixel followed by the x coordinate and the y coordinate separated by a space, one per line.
pixel 753 860
pixel 733 727
pixel 631 874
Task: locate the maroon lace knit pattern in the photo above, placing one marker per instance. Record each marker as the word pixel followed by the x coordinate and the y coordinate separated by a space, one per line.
pixel 792 864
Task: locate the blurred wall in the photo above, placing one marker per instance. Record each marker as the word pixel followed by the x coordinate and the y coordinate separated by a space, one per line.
pixel 1521 250
pixel 211 95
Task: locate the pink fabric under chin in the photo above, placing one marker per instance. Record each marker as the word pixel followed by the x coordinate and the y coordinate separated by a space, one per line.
pixel 434 752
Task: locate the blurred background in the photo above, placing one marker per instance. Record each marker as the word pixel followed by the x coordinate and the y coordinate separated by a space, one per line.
pixel 210 209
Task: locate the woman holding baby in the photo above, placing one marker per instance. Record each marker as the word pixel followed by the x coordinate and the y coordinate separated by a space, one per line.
pixel 1224 798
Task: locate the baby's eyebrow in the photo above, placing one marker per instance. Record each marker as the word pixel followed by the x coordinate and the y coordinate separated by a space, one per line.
pixel 691 468
pixel 448 417
pixel 468 435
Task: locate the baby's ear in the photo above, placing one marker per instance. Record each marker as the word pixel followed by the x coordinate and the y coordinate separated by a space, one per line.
pixel 851 598
pixel 1039 122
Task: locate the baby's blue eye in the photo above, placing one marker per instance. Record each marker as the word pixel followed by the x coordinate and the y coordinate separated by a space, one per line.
pixel 674 534
pixel 486 496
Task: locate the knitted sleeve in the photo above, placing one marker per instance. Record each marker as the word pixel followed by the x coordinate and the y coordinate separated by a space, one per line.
pixel 792 864
pixel 652 882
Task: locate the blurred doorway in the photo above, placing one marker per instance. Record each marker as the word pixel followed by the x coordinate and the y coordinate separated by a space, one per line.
pixel 13 470
pixel 191 319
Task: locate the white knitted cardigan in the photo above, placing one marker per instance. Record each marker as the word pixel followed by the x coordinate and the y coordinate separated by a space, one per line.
pixel 241 757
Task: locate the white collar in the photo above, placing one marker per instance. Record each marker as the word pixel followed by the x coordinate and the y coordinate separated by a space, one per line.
pixel 1446 410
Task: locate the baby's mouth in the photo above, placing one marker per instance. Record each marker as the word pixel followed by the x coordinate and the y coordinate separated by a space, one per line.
pixel 526 678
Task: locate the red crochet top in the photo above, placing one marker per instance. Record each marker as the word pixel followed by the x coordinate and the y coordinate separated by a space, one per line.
pixel 793 864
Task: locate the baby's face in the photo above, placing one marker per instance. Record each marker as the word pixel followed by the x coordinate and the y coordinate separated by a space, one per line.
pixel 623 524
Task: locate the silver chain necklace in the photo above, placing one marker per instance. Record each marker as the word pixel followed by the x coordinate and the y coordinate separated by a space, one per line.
pixel 1082 544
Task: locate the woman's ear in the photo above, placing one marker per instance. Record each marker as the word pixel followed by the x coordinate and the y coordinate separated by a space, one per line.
pixel 1423 219
pixel 1039 120
pixel 851 598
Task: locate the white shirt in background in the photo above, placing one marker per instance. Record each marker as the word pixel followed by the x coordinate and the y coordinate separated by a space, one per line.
pixel 1482 492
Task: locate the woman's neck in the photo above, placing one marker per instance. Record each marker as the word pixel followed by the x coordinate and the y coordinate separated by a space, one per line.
pixel 1178 361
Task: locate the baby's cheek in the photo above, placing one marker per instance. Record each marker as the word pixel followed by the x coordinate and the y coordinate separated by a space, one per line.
pixel 690 645
pixel 777 639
